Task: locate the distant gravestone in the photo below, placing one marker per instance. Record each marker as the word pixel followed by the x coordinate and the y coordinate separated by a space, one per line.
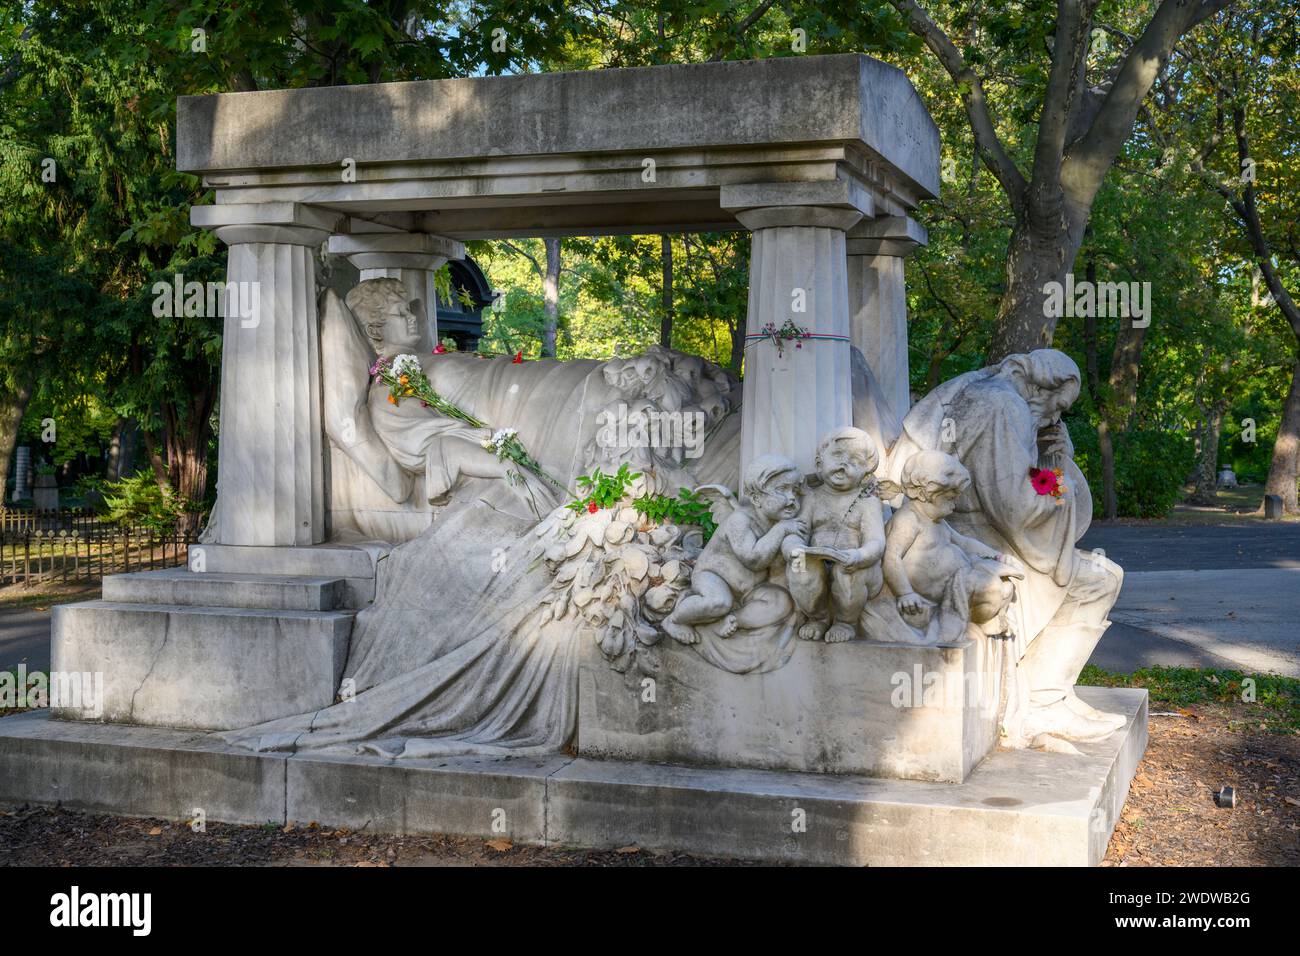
pixel 1273 507
pixel 22 472
pixel 1227 478
pixel 45 493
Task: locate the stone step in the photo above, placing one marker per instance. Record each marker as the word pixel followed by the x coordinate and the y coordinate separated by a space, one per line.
pixel 208 668
pixel 282 592
pixel 356 564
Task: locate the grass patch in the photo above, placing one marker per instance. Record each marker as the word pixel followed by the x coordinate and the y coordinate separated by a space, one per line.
pixel 9 686
pixel 14 600
pixel 1270 702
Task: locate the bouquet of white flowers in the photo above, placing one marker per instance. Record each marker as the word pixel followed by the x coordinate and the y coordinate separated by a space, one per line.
pixel 406 379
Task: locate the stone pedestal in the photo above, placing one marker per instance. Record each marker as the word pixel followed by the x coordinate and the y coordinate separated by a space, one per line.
pixel 799 390
pixel 411 258
pixel 270 486
pixel 878 302
pixel 886 710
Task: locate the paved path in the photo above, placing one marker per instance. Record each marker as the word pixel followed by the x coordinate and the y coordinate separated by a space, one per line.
pixel 1203 596
pixel 1194 596
pixel 1244 544
pixel 25 637
pixel 1245 619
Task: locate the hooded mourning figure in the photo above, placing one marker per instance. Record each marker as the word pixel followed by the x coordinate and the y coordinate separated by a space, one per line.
pixel 1002 422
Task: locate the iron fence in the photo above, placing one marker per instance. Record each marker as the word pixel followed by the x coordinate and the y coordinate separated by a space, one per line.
pixel 75 545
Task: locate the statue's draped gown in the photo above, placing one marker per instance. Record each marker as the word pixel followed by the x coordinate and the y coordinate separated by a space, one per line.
pixel 450 658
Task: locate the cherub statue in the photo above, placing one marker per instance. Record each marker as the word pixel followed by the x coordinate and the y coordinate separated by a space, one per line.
pixel 739 555
pixel 928 564
pixel 834 570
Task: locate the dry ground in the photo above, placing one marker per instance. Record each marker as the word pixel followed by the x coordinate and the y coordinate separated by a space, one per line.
pixel 1170 817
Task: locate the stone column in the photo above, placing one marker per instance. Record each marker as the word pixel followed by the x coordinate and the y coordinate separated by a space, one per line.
pixel 797 392
pixel 878 301
pixel 410 257
pixel 270 481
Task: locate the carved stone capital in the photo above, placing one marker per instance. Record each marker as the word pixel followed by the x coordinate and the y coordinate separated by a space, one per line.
pixel 821 217
pixel 288 223
pixel 898 236
pixel 397 250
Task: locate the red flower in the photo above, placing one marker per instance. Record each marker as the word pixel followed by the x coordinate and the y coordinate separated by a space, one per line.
pixel 592 508
pixel 439 349
pixel 518 359
pixel 1045 481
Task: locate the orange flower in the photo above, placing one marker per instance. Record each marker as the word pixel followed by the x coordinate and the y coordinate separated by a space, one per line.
pixel 391 400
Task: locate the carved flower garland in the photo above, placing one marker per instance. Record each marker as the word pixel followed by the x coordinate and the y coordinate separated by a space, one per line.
pixel 616 575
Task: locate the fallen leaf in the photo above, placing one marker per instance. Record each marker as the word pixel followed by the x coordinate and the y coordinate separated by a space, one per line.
pixel 500 845
pixel 156 831
pixel 289 827
pixel 628 849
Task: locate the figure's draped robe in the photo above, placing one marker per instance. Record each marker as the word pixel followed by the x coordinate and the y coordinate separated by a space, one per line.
pixel 982 421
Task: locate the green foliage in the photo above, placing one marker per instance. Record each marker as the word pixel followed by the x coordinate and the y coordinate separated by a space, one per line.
pixel 687 508
pixel 1277 699
pixel 607 491
pixel 602 490
pixel 96 93
pixel 1150 467
pixel 138 500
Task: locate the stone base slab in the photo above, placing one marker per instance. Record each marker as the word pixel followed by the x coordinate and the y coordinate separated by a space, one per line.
pixel 861 707
pixel 1016 808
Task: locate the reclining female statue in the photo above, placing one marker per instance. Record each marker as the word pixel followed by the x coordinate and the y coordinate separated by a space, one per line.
pixel 440 448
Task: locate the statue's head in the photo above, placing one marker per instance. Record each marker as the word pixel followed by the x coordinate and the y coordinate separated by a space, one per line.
pixel 689 368
pixel 934 478
pixel 387 315
pixel 1047 379
pixel 845 457
pixel 773 484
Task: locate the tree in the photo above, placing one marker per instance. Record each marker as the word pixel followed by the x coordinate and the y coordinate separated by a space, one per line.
pixel 1233 98
pixel 1085 100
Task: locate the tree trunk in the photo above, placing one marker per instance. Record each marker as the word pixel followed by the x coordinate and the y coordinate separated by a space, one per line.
pixel 121 451
pixel 737 346
pixel 1207 471
pixel 1037 254
pixel 551 296
pixel 666 322
pixel 187 454
pixel 1109 493
pixel 1284 470
pixel 1100 402
pixel 12 409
